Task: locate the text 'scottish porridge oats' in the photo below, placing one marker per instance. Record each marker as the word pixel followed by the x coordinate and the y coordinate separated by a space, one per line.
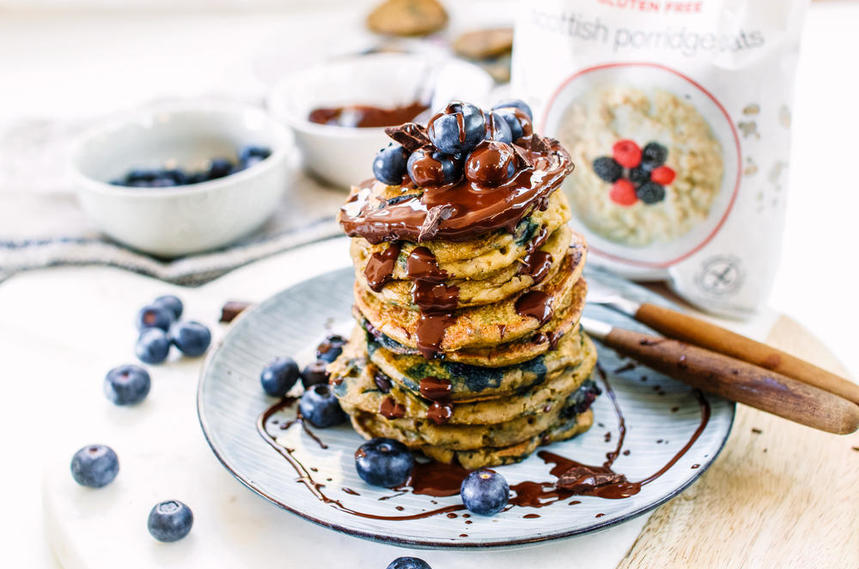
pixel 594 122
pixel 677 116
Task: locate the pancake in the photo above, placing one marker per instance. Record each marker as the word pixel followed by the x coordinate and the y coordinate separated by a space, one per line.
pixel 360 384
pixel 418 433
pixel 469 383
pixel 487 457
pixel 481 326
pixel 496 286
pixel 477 258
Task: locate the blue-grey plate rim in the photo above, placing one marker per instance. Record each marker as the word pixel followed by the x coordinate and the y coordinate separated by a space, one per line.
pixel 427 544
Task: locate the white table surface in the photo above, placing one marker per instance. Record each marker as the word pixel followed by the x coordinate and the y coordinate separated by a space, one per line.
pixel 78 65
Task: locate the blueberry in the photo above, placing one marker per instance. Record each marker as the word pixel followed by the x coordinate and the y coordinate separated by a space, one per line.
pixel 95 466
pixel 639 175
pixel 497 128
pixel 219 167
pixel 491 163
pixel 171 303
pixel 608 169
pixel 152 346
pixel 140 175
pixel 279 376
pixel 458 129
pixel 518 122
pixel 384 462
pixel 319 406
pixel 516 104
pixel 178 176
pixel 250 155
pixel 127 384
pixel 331 348
pixel 408 563
pixel 484 492
pixel 192 338
pixel 170 521
pixel 314 374
pixel 162 182
pixel 428 167
pixel 653 154
pixel 196 178
pixel 154 316
pixel 389 165
pixel 650 193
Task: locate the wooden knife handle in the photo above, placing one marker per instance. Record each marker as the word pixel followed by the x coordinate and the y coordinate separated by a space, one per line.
pixel 702 333
pixel 739 381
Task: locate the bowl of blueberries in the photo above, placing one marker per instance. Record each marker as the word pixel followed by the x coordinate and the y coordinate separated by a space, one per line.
pixel 182 178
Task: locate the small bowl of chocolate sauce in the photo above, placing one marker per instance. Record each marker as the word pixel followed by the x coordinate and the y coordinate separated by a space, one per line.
pixel 338 110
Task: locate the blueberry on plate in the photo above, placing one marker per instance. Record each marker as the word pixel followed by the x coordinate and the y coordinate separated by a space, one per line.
pixel 608 169
pixel 516 104
pixel 279 376
pixel 389 165
pixel 95 466
pixel 170 521
pixel 154 316
pixel 458 129
pixel 408 563
pixel 331 348
pixel 653 154
pixel 314 374
pixel 429 167
pixel 497 128
pixel 319 406
pixel 219 167
pixel 127 384
pixel 171 303
pixel 484 492
pixel 518 122
pixel 192 338
pixel 384 462
pixel 650 193
pixel 152 346
pixel 250 155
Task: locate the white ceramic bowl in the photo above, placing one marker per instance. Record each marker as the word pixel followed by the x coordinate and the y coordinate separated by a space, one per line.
pixel 343 155
pixel 175 221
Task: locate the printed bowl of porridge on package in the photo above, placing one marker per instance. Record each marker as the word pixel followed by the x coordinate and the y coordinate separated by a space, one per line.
pixel 657 160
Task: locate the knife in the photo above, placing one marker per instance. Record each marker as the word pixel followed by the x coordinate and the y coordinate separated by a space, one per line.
pixel 732 378
pixel 692 330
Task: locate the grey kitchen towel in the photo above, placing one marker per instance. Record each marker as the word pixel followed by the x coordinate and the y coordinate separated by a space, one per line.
pixel 41 224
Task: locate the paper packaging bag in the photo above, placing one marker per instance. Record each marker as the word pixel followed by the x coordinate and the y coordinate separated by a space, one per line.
pixel 677 115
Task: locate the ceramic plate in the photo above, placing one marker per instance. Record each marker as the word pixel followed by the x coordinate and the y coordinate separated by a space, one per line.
pixel 661 416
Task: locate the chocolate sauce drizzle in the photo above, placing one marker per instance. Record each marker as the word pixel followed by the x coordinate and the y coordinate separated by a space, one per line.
pixel 536 304
pixel 380 267
pixel 441 480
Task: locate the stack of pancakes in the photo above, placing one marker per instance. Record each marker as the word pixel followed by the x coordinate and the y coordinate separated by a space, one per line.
pixel 469 350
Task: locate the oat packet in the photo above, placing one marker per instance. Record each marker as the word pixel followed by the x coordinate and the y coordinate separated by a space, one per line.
pixel 677 115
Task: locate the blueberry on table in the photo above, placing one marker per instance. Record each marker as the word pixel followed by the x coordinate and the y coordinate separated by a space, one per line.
pixel 650 193
pixel 154 316
pixel 152 346
pixel 497 128
pixel 127 384
pixel 279 376
pixel 429 167
pixel 608 169
pixel 409 563
pixel 515 104
pixel 484 492
pixel 192 338
pixel 330 349
pixel 170 521
pixel 384 462
pixel 319 406
pixel 95 466
pixel 389 165
pixel 314 374
pixel 219 167
pixel 458 129
pixel 653 154
pixel 171 303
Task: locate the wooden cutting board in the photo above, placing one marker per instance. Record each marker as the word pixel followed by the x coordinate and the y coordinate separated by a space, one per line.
pixel 780 495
